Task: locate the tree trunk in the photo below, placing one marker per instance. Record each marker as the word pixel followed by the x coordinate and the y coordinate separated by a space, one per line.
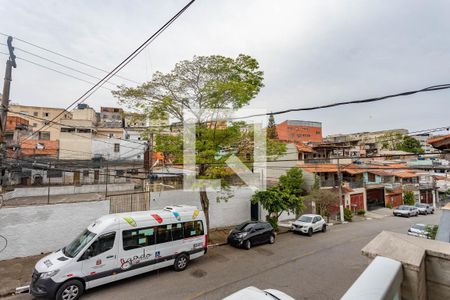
pixel 205 205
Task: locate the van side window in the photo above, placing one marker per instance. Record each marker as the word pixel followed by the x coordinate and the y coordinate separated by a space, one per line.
pixel 164 233
pixel 102 244
pixel 194 228
pixel 137 238
pixel 177 231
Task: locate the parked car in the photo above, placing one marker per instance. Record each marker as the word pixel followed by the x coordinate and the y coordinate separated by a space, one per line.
pixel 251 233
pixel 253 293
pixel 309 223
pixel 424 209
pixel 406 211
pixel 419 230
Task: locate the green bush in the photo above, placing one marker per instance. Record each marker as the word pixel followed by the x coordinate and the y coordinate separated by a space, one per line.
pixel 408 198
pixel 389 205
pixel 361 212
pixel 432 231
pixel 347 215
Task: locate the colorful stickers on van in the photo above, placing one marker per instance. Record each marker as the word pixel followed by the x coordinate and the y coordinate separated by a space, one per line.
pixel 157 218
pixel 195 214
pixel 177 215
pixel 130 221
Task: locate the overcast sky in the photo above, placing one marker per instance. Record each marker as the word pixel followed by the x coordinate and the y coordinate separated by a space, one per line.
pixel 312 52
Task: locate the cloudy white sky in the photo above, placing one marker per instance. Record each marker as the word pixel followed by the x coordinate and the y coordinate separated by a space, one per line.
pixel 312 52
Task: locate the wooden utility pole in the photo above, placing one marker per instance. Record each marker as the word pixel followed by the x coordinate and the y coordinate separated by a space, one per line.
pixel 10 63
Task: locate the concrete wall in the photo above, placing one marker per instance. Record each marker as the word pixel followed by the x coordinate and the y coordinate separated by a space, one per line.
pixel 127 149
pixel 426 264
pixel 222 214
pixel 31 230
pixel 65 190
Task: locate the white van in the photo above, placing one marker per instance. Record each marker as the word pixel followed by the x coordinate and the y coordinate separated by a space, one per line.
pixel 119 246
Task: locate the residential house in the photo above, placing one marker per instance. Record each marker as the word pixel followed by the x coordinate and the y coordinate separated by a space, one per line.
pixel 77 133
pixel 38 117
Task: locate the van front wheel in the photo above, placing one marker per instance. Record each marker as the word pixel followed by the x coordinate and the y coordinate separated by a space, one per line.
pixel 70 290
pixel 181 262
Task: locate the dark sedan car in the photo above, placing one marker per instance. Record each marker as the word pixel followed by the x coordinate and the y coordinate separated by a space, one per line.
pixel 251 233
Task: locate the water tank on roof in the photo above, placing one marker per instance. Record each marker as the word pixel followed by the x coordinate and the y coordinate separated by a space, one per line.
pixel 82 106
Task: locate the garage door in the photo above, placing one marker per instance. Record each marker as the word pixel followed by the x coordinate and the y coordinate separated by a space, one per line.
pixel 357 201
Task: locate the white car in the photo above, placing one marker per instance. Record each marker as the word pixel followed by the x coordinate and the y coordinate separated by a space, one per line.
pixel 253 293
pixel 406 211
pixel 419 230
pixel 309 224
pixel 424 209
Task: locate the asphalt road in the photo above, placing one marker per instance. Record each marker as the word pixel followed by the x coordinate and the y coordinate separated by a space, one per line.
pixel 323 266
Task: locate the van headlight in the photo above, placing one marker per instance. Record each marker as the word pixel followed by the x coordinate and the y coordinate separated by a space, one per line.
pixel 50 274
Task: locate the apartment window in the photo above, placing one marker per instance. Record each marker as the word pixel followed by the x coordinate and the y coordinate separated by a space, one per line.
pixel 86 173
pixel 120 172
pixel 84 130
pixel 116 147
pixel 65 129
pixel 371 177
pixel 299 135
pixel 34 124
pixel 35 113
pixel 317 132
pixel 46 114
pixel 44 135
pixel 111 135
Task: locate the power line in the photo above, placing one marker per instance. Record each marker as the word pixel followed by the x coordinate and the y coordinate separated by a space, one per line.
pixel 368 100
pixel 57 71
pixel 125 62
pixel 69 58
pixel 59 64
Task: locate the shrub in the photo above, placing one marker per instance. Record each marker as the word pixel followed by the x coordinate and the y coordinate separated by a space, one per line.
pixel 347 215
pixel 389 205
pixel 408 198
pixel 361 212
pixel 432 231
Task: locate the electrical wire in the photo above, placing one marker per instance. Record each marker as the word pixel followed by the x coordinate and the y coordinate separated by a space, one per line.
pixel 67 57
pixel 125 62
pixel 361 101
pixel 59 64
pixel 56 71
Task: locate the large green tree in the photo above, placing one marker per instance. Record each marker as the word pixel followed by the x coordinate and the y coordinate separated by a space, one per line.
pixel 197 86
pixel 284 197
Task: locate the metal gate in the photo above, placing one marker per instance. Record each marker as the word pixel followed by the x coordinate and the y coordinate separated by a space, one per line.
pixel 129 202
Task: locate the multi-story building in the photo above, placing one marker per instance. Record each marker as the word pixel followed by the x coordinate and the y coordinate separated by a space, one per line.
pixel 111 117
pixel 300 131
pixel 423 139
pixel 77 133
pixel 38 116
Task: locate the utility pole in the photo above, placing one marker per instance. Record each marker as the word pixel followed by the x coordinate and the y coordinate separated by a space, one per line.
pixel 10 63
pixel 341 204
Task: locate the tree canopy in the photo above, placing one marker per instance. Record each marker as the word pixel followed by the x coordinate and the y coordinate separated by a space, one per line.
pixel 201 87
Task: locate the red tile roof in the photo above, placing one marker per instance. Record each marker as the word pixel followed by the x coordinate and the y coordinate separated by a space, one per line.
pixel 439 139
pixel 303 148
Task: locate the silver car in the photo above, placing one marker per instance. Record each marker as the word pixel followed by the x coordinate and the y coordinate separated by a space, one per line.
pixel 419 230
pixel 406 211
pixel 308 224
pixel 424 209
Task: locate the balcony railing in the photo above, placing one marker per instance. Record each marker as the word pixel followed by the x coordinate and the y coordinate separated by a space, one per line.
pixel 392 186
pixel 381 280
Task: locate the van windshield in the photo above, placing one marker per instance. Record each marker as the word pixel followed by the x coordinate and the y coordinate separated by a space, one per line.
pixel 78 244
